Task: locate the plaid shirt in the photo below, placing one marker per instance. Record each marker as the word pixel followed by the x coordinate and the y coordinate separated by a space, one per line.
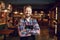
pixel 32 23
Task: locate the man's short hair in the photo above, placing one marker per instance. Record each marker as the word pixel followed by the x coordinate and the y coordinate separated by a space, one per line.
pixel 27 6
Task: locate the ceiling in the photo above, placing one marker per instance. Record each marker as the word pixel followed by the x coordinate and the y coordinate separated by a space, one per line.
pixel 36 4
pixel 29 1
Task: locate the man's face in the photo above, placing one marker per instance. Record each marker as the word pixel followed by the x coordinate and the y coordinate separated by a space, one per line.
pixel 28 11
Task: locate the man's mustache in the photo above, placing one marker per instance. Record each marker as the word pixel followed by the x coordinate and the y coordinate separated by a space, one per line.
pixel 27 13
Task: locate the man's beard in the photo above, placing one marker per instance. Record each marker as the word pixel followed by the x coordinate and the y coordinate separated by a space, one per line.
pixel 28 15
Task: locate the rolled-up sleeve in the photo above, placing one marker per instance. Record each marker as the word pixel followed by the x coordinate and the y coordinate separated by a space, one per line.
pixel 36 25
pixel 21 25
pixel 36 29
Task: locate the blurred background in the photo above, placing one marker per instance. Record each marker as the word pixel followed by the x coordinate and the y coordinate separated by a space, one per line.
pixel 47 13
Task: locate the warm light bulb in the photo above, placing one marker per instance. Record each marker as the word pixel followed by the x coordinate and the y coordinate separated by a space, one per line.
pixel 21 13
pixel 15 12
pixel 42 12
pixel 5 10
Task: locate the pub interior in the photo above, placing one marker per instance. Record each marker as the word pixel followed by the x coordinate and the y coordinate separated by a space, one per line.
pixel 46 13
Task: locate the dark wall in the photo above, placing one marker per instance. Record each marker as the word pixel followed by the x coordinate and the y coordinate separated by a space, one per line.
pixel 36 4
pixel 30 1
